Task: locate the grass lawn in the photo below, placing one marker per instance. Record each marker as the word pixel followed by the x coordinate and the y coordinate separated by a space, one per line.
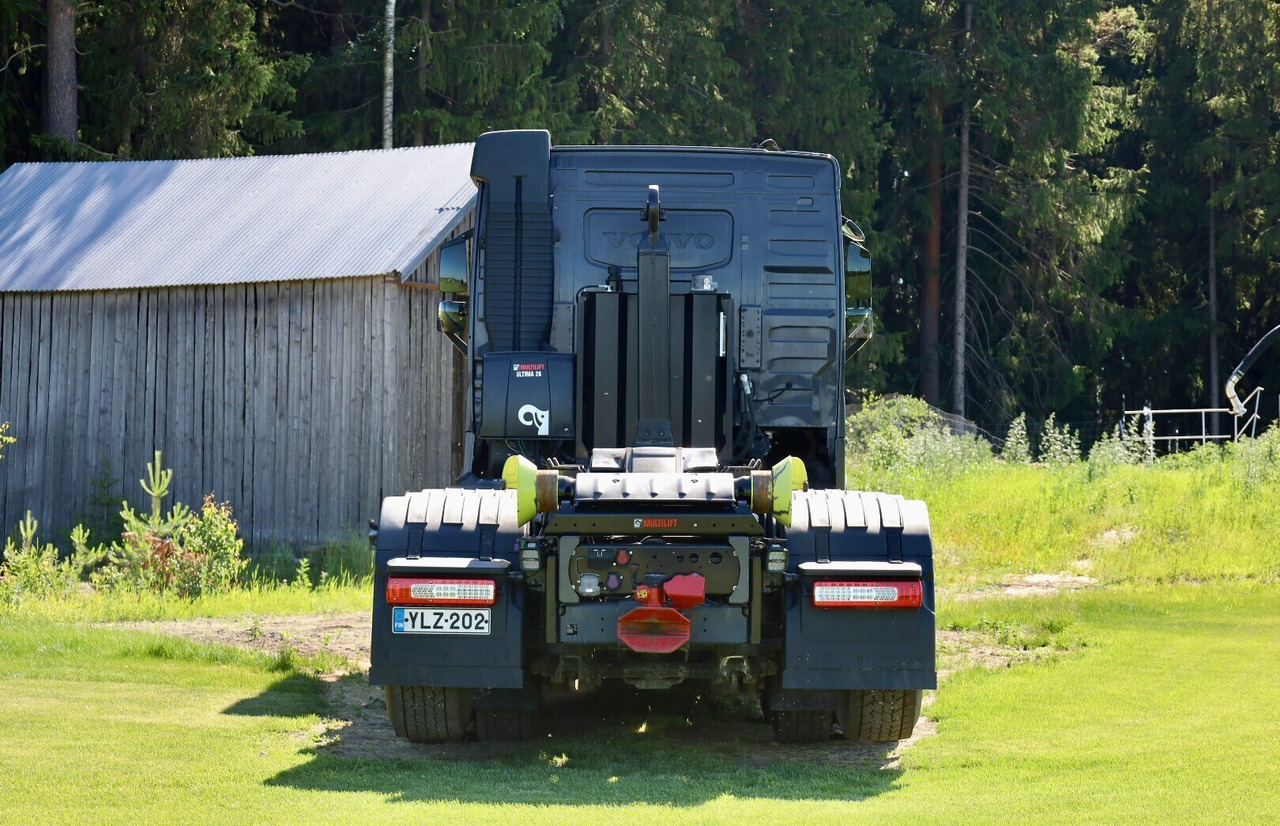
pixel 1171 522
pixel 1164 708
pixel 254 600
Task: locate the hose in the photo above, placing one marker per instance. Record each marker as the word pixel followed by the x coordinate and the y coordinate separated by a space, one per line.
pixel 1236 407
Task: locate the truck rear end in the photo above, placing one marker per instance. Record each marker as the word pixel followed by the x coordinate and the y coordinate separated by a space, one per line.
pixel 655 456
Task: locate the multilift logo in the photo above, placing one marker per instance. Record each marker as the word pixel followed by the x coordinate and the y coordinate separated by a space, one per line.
pixel 531 416
pixel 656 523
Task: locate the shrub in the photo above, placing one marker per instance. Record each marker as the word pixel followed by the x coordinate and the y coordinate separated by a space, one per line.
pixel 302 575
pixel 1058 445
pixel 146 555
pixel 32 569
pixel 1017 448
pixel 1257 461
pixel 1122 446
pixel 100 513
pixel 212 537
pixel 878 434
pixel 906 434
pixel 84 558
pixel 180 551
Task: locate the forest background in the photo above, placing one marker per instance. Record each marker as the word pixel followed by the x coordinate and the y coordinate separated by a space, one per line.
pixel 1072 205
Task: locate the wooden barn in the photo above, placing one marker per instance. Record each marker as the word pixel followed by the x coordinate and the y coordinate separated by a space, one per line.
pixel 268 323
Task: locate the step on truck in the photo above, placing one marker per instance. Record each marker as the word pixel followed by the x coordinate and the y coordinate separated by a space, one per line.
pixel 653 487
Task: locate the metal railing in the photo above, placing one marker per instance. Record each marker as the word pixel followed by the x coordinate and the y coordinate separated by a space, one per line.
pixel 1240 424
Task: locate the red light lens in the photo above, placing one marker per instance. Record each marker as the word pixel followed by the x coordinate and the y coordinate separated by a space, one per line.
pixel 432 591
pixel 868 594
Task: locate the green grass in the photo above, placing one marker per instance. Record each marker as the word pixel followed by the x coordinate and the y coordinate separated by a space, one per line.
pixel 1160 706
pixel 1151 700
pixel 1174 521
pixel 260 598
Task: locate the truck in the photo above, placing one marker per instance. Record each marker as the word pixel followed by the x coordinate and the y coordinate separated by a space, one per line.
pixel 653 485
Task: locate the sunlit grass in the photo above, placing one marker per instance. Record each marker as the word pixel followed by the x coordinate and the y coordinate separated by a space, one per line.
pixel 1161 708
pixel 258 599
pixel 1168 522
pixel 1148 700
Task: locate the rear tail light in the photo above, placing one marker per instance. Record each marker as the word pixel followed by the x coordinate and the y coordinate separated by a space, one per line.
pixel 423 591
pixel 867 594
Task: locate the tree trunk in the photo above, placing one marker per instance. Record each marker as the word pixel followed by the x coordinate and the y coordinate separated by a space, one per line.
pixel 1215 380
pixel 931 289
pixel 388 72
pixel 424 61
pixel 962 256
pixel 337 30
pixel 61 118
pixel 962 237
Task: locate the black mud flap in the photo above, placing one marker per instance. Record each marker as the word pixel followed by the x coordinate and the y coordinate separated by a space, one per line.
pixel 457 652
pixel 850 536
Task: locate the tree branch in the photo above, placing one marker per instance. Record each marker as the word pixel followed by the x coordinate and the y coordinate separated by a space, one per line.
pixel 18 53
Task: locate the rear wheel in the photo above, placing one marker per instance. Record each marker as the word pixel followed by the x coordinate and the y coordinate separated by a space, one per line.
pixel 801 726
pixel 429 714
pixel 502 724
pixel 880 716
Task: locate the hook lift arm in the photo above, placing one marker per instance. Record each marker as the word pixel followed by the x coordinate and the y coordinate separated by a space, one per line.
pixel 1236 407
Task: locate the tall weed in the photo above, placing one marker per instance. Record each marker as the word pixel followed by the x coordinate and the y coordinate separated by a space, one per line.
pixel 1122 446
pixel 1017 447
pixel 1257 461
pixel 33 570
pixel 1208 513
pixel 1058 445
pixel 5 438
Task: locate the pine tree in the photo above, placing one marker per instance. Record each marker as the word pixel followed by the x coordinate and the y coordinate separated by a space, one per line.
pixel 1034 220
pixel 184 78
pixel 652 71
pixel 21 52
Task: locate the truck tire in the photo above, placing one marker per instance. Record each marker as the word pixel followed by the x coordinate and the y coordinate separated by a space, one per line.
pixel 801 726
pixel 429 714
pixel 880 716
pixel 504 724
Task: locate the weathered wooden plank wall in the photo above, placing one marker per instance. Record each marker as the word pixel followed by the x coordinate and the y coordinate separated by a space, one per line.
pixel 302 403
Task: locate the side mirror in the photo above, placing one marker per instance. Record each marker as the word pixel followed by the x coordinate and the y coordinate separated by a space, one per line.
pixel 857 291
pixel 454 264
pixel 451 319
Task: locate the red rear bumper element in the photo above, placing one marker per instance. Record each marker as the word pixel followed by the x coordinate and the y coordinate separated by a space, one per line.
pixel 686 590
pixel 650 630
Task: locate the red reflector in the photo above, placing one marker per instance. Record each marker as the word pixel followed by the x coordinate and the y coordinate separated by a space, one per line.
pixel 425 591
pixel 653 630
pixel 867 594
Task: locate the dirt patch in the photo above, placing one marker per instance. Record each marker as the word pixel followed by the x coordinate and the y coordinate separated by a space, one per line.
pixel 1116 536
pixel 1025 585
pixel 346 635
pixel 358 727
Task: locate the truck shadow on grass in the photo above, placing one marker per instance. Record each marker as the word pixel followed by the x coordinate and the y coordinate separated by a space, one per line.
pixel 607 748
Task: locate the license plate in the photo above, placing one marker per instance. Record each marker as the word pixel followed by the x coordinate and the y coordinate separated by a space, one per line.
pixel 440 620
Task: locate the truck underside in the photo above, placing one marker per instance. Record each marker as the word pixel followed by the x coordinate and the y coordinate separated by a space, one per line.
pixel 656 339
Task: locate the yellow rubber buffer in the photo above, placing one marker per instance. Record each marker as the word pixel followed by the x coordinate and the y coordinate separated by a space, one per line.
pixel 521 475
pixel 788 475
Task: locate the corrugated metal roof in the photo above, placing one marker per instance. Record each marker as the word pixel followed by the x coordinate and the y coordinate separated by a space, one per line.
pixel 113 225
